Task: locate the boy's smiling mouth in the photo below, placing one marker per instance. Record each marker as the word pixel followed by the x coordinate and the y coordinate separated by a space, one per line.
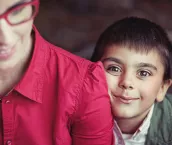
pixel 125 99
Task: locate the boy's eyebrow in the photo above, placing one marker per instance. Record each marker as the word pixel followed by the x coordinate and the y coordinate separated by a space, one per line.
pixel 112 59
pixel 146 65
pixel 142 64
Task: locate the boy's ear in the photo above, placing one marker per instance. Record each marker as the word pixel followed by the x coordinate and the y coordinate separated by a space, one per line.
pixel 163 90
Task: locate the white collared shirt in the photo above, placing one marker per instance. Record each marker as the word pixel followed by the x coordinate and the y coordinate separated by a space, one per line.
pixel 138 138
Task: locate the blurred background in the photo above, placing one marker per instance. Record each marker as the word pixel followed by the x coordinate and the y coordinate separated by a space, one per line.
pixel 75 25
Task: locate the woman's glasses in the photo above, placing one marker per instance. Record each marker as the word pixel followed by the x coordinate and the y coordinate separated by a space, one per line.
pixel 21 13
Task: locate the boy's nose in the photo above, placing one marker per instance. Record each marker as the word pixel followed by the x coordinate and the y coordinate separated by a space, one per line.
pixel 126 82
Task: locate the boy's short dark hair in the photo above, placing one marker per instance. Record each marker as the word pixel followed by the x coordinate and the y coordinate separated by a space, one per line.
pixel 139 34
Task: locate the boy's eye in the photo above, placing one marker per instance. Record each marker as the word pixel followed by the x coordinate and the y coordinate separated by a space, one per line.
pixel 114 70
pixel 144 74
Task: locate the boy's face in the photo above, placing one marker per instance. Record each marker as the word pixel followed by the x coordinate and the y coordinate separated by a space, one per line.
pixel 135 81
pixel 15 41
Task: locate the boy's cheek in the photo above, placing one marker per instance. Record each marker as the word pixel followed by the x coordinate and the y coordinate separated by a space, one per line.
pixel 111 80
pixel 110 95
pixel 112 85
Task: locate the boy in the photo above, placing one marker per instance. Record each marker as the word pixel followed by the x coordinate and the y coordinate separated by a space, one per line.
pixel 136 56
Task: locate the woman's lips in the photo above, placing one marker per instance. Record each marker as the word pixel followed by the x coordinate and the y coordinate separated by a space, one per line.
pixel 6 53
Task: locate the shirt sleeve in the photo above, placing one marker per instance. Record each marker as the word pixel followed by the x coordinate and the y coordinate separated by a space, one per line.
pixel 93 122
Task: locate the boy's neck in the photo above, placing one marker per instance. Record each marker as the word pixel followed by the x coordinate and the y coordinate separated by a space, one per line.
pixel 130 125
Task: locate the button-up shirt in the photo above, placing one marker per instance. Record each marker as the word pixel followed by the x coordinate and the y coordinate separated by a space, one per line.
pixel 62 99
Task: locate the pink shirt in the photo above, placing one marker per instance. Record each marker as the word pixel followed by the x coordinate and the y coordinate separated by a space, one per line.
pixel 61 100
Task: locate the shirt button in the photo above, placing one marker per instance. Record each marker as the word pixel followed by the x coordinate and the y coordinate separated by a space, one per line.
pixel 9 142
pixel 7 101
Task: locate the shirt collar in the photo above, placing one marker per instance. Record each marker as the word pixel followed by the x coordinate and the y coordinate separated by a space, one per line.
pixel 146 123
pixel 143 129
pixel 31 85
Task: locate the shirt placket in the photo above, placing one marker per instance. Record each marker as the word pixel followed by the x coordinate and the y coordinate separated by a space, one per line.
pixel 7 115
pixel 118 135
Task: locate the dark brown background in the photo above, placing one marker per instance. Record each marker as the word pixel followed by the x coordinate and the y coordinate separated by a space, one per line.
pixel 76 24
